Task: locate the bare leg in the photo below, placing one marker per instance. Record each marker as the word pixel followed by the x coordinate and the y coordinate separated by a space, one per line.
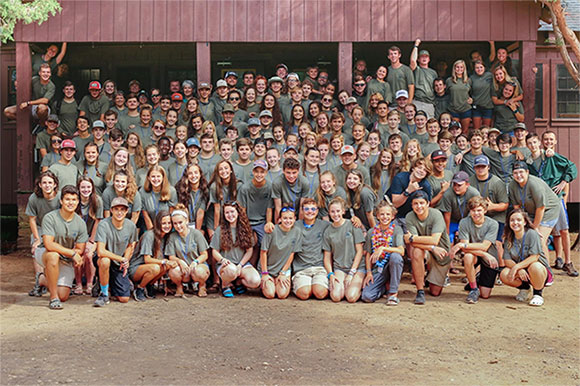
pixel 10 112
pixel 418 265
pixel 354 289
pixel 268 288
pixel 51 271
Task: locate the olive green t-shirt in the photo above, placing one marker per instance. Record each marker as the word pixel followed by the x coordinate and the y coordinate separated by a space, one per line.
pixel 459 93
pixel 94 108
pixel 40 90
pixel 400 78
pixel 341 241
pixel 311 252
pixel 280 245
pixel 482 90
pixel 256 201
pixel 39 207
pixel 535 194
pixel 116 240
pixel 68 115
pixel 67 174
pixel 530 244
pixel 65 233
pixel 186 248
pixel 424 78
pixel 434 223
pixel 436 184
pixel 494 189
pixel 478 234
pixel 457 205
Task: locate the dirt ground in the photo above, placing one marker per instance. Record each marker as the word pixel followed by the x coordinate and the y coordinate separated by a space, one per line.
pixel 251 340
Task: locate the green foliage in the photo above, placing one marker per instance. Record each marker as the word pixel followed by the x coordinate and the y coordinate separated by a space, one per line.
pixel 25 11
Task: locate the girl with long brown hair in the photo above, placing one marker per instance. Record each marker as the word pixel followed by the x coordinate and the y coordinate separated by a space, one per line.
pixel 232 248
pixel 156 194
pixel 360 200
pixel 193 192
pixel 123 186
pixel 223 188
pixel 383 171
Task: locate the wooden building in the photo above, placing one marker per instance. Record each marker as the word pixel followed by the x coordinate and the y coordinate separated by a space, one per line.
pixel 155 40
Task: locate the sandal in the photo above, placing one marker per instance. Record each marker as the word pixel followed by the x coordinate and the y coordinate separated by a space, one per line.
pixel 89 290
pixel 202 292
pixel 214 288
pixel 454 271
pixel 227 292
pixel 393 300
pixel 78 290
pixel 240 289
pixel 55 304
pixel 536 301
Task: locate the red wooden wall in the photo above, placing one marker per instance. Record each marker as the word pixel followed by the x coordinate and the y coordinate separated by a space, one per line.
pixel 285 21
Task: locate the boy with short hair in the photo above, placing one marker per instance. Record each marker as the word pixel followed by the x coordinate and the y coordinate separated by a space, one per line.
pixel 64 169
pixel 290 187
pixel 207 159
pixel 243 164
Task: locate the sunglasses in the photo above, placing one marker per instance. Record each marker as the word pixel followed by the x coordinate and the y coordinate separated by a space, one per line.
pixel 56 141
pixel 155 95
pixel 158 127
pixel 327 100
pixel 359 84
pixel 234 99
pixel 287 209
pixel 231 203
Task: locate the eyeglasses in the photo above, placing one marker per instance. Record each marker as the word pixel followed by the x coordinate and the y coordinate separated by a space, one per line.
pixel 158 127
pixel 310 209
pixel 287 209
pixel 323 77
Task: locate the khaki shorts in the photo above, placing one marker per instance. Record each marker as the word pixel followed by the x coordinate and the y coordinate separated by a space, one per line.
pixel 437 273
pixel 66 272
pixel 309 276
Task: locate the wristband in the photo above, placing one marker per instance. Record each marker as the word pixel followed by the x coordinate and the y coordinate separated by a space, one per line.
pixel 411 239
pixel 265 273
pixel 432 248
pixel 406 193
pixel 352 272
pixel 196 261
pixel 163 262
pixel 329 275
pixel 286 273
pixel 464 245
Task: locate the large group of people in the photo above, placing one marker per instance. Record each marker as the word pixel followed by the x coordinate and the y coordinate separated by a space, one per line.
pixel 287 185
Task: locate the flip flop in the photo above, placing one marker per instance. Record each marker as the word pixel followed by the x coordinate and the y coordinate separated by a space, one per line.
pixel 227 292
pixel 393 300
pixel 55 304
pixel 202 292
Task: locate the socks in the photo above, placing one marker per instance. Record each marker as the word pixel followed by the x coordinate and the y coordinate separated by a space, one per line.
pixel 538 292
pixel 525 286
pixel 473 285
pixel 105 290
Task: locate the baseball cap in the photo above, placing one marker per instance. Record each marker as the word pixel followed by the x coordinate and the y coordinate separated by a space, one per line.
pixel 438 154
pixel 401 94
pixel 228 108
pixel 520 125
pixel 282 65
pixel 268 135
pixel 289 148
pixel 454 124
pixel 424 52
pixel 142 92
pixel 176 97
pixel 221 83
pixel 94 85
pixel 253 122
pixel 231 73
pixel 260 163
pixel 350 100
pixel 193 141
pixel 520 165
pixel 493 130
pixel 275 79
pixel 53 118
pixel 347 149
pixel 204 85
pixel 460 177
pixel 98 123
pixel 422 113
pixel 481 160
pixel 68 144
pixel 119 201
pixel 293 75
pixel 260 140
pixel 265 113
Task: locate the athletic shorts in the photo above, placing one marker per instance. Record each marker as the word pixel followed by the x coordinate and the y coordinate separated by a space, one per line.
pixel 500 231
pixel 549 224
pixel 487 275
pixel 463 115
pixel 219 268
pixel 481 112
pixel 437 273
pixel 562 224
pixel 34 111
pixel 119 285
pixel 259 229
pixel 66 272
pixel 309 276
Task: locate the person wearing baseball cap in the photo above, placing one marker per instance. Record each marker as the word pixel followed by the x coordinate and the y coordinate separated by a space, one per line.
pixel 220 98
pixel 176 101
pixel 93 106
pixel 254 128
pixel 440 178
pixel 424 94
pixel 206 106
pixel 231 79
pixel 454 202
pixel 402 100
pixel 493 189
pixel 43 139
pixel 348 157
pixel 116 239
pixel 404 184
pixel 256 197
pixel 538 200
pixel 520 134
pixel 275 84
pixel 429 244
pixel 281 71
pixel 64 169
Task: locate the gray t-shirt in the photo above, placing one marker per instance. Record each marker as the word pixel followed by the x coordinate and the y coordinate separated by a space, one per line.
pixel 457 205
pixel 186 248
pixel 49 159
pixel 85 209
pixel 535 194
pixel 152 204
pixel 207 165
pixel 244 173
pixel 505 118
pixel 530 244
pixel 280 245
pixel 424 78
pixel 128 123
pixel 116 240
pixel 290 193
pixel 311 254
pixel 340 174
pixel 339 192
pixel 400 78
pixel 145 247
pixel 197 201
pixel 94 108
pixel 436 184
pixel 235 254
pixel 40 90
pixel 397 240
pixel 174 171
pixel 368 200
pixel 68 115
pixel 67 174
pixel 494 189
pixel 65 233
pixel 39 207
pixel 482 90
pixel 341 241
pixel 434 223
pixel 109 194
pixel 478 234
pixel 256 201
pixel 459 93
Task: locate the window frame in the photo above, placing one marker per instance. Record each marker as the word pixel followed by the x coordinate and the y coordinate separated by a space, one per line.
pixel 554 94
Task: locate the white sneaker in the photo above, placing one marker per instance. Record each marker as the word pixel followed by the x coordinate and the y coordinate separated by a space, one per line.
pixel 536 301
pixel 523 295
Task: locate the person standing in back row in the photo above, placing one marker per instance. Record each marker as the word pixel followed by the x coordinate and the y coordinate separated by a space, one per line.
pixel 400 76
pixel 424 98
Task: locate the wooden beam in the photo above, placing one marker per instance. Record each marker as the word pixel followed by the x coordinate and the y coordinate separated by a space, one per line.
pixel 345 66
pixel 528 62
pixel 24 138
pixel 203 59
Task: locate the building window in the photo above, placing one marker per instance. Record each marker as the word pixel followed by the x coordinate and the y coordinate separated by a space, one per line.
pixel 539 108
pixel 567 94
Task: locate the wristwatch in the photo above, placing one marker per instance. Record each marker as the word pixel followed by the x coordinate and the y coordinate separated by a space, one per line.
pixel 406 193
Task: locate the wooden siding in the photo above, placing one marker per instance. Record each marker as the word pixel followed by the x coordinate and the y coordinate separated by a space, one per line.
pixel 286 21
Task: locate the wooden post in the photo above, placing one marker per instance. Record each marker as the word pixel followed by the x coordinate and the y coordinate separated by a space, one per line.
pixel 345 66
pixel 24 140
pixel 528 62
pixel 203 58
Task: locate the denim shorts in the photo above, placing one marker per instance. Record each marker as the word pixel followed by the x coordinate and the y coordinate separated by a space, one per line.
pixel 481 112
pixel 463 115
